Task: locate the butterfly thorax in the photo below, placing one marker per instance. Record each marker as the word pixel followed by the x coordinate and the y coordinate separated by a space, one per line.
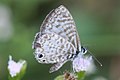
pixel 83 51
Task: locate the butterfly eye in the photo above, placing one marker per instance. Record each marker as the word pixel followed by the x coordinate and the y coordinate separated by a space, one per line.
pixel 40 55
pixel 84 50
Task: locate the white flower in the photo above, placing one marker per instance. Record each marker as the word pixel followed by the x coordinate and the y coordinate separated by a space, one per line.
pixel 83 63
pixel 14 67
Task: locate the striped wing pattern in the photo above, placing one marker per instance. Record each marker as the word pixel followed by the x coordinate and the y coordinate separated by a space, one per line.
pixel 54 48
pixel 60 21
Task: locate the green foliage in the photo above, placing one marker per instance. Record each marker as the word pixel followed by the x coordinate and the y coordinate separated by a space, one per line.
pixel 60 77
pixel 81 75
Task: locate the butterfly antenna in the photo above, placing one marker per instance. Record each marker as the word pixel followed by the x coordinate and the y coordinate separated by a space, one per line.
pixel 95 58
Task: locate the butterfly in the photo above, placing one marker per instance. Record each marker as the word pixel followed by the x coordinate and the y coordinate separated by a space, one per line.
pixel 58 41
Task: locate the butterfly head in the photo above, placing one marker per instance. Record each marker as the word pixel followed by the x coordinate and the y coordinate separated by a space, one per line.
pixel 83 50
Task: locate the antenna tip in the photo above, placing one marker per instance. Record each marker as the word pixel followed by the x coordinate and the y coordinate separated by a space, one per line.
pixel 101 65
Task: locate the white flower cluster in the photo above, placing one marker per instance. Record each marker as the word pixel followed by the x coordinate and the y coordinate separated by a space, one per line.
pixel 14 67
pixel 83 63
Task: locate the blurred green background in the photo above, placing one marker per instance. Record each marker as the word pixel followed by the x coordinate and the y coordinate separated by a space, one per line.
pixel 98 24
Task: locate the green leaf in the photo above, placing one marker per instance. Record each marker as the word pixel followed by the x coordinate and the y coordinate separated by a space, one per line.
pixel 60 77
pixel 81 75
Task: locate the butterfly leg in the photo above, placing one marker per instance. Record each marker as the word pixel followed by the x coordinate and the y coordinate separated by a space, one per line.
pixel 57 66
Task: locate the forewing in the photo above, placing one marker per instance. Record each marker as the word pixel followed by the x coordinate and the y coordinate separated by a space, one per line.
pixel 54 48
pixel 60 21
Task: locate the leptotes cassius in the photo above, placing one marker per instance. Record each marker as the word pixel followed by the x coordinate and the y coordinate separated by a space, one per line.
pixel 58 40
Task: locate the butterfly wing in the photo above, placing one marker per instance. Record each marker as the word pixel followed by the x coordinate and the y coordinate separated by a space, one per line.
pixel 60 22
pixel 52 48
